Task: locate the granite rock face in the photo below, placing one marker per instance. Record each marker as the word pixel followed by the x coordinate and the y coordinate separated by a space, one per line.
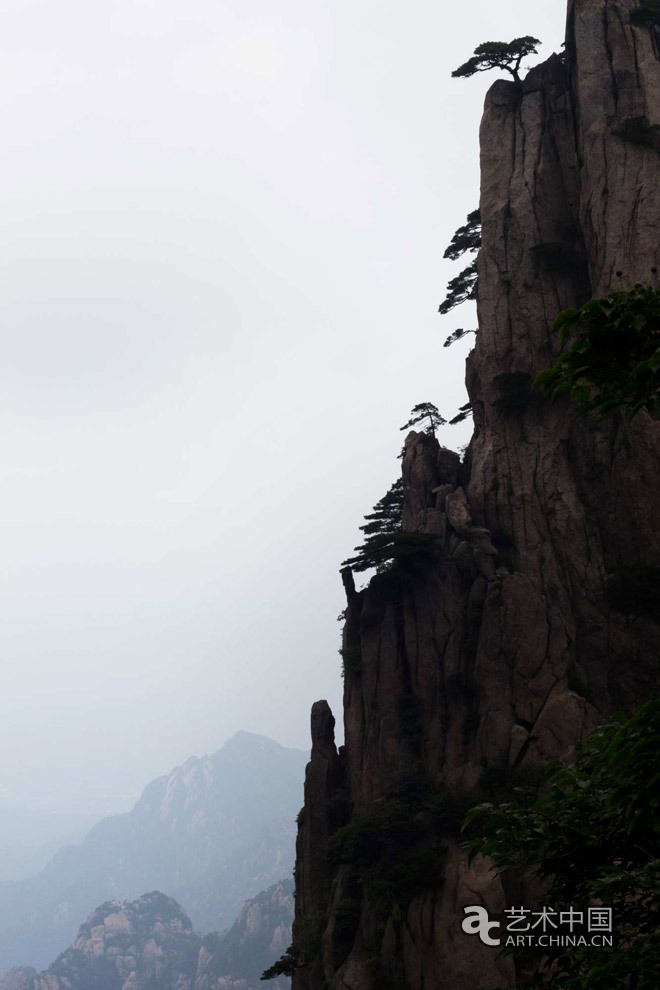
pixel 508 648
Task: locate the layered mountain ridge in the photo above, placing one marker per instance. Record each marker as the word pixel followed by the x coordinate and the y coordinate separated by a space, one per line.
pixel 507 649
pixel 212 833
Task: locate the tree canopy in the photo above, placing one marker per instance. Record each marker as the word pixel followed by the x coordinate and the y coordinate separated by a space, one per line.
pixel 460 289
pixel 614 359
pixel 425 412
pixel 384 540
pixel 592 833
pixel 466 238
pixel 499 55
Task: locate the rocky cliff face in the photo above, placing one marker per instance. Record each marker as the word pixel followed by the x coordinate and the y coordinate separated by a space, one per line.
pixel 504 651
pixel 149 944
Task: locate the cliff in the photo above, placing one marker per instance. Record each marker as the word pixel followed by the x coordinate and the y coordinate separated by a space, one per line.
pixel 502 653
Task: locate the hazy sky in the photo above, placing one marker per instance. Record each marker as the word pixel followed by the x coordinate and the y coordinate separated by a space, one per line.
pixel 221 242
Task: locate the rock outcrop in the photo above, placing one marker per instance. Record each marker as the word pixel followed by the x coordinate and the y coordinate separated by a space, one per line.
pixel 127 946
pixel 510 646
pixel 149 944
pixel 236 959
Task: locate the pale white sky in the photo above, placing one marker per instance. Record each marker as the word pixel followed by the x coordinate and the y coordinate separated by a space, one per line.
pixel 221 261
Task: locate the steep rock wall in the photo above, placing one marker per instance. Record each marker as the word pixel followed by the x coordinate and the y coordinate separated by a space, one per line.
pixel 505 650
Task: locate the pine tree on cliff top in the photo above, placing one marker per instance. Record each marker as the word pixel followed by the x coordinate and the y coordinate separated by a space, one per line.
pixel 384 540
pixel 425 411
pixel 499 55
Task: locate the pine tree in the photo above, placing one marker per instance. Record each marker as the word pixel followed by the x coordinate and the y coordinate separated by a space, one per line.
pixel 464 286
pixel 499 55
pixel 380 530
pixel 460 289
pixel 425 411
pixel 466 238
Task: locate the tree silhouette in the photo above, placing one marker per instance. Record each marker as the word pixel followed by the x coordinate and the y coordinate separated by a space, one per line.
pixel 466 238
pixel 499 55
pixel 460 289
pixel 464 286
pixel 380 529
pixel 385 543
pixel 425 411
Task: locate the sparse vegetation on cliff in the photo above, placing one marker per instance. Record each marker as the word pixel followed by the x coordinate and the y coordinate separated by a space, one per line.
pixel 614 360
pixel 460 290
pixel 384 846
pixel 464 286
pixel 385 543
pixel 466 238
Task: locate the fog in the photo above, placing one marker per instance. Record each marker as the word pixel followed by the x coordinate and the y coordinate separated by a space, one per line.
pixel 222 236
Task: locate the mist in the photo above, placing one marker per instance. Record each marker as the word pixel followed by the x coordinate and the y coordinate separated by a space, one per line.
pixel 222 242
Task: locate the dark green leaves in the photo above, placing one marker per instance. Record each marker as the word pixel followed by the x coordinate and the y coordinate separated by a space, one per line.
pixel 614 360
pixel 594 833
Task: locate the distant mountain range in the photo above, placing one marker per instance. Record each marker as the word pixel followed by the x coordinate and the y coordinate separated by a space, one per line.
pixel 29 839
pixel 150 944
pixel 211 834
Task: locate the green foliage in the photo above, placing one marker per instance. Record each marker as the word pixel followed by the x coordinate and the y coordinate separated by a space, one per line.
pixel 592 833
pixel 285 966
pixel 425 412
pixel 466 238
pixel 647 15
pixel 614 360
pixel 390 849
pixel 304 950
pixel 499 55
pixel 381 527
pixel 385 542
pixel 387 512
pixel 300 817
pixel 460 289
pixel 351 661
pixel 406 551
